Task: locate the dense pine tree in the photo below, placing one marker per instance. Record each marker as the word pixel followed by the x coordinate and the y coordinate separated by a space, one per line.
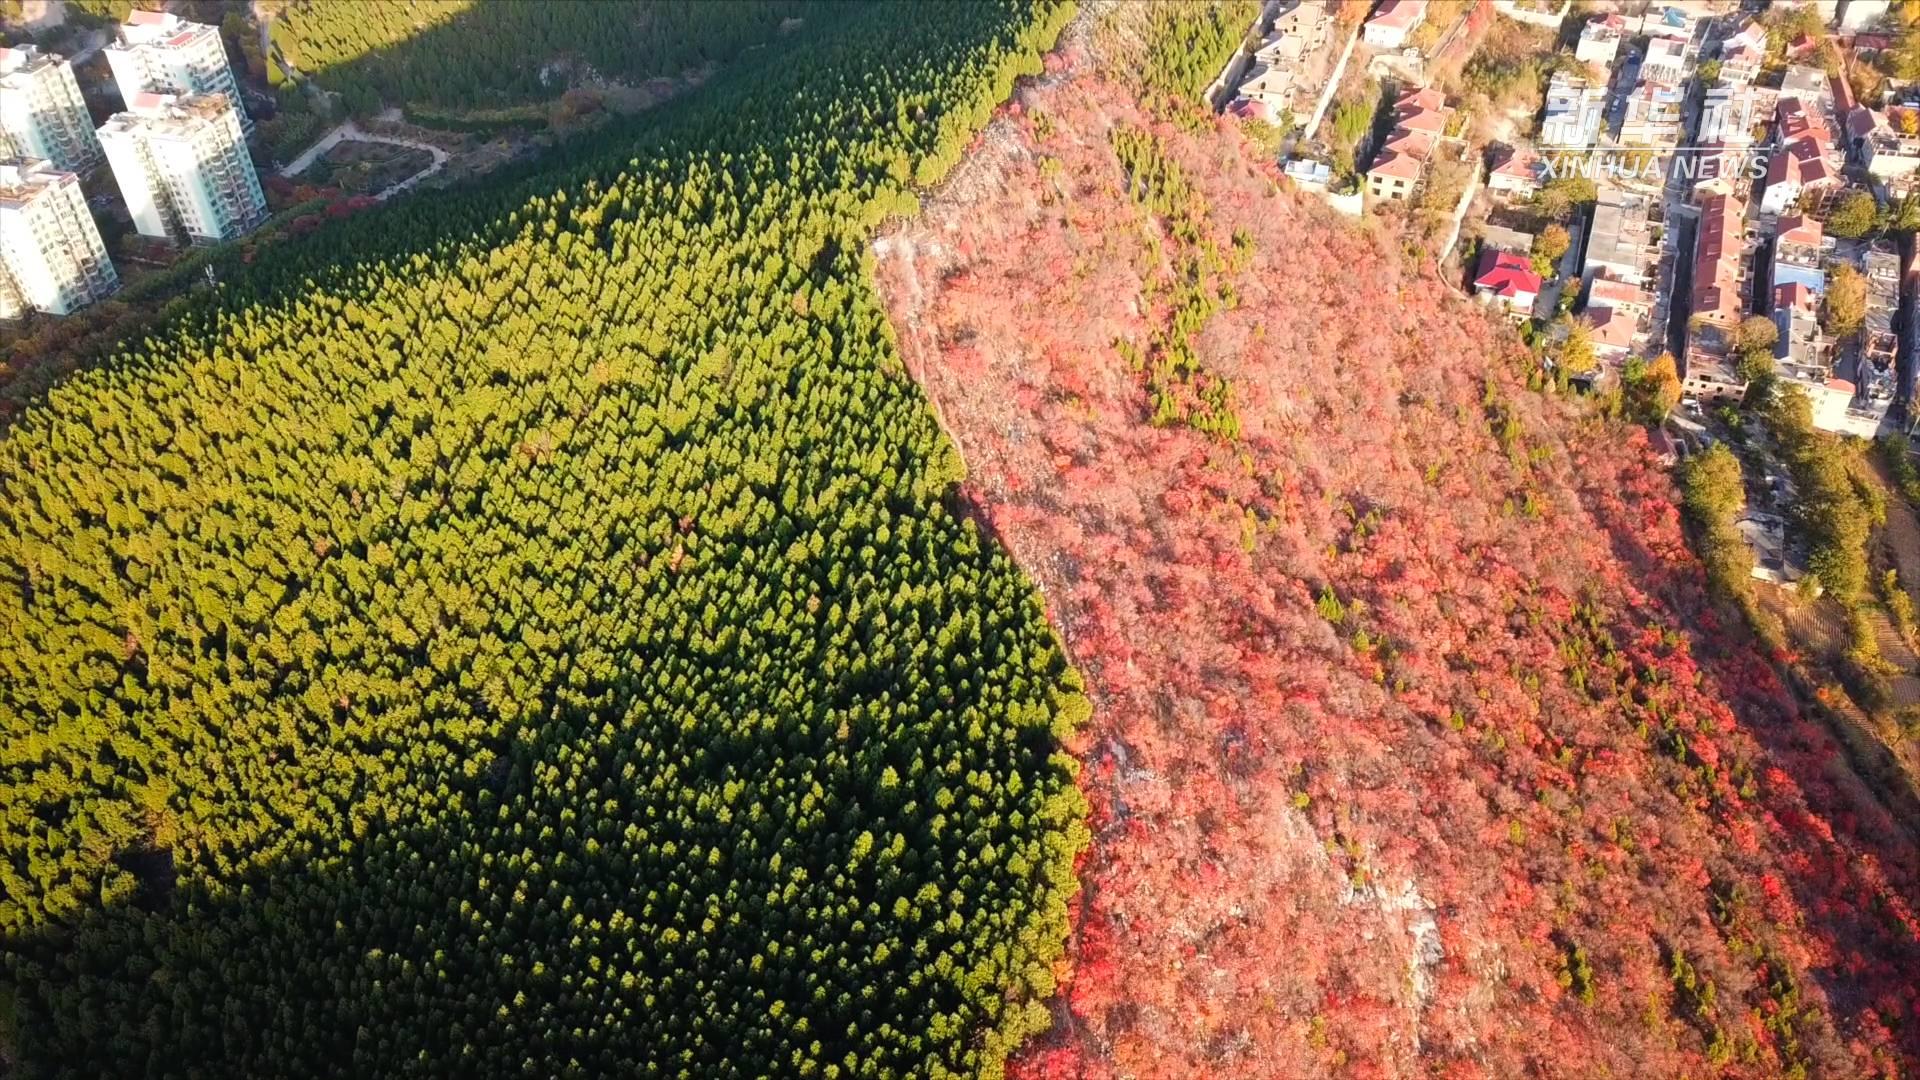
pixel 525 634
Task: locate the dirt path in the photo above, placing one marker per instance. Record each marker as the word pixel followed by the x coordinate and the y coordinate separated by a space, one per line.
pixel 350 132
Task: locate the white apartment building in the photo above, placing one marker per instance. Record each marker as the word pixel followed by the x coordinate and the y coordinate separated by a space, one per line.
pixel 41 113
pixel 51 255
pixel 159 52
pixel 182 166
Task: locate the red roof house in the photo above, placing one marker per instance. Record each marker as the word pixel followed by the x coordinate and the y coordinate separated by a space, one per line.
pixel 1508 280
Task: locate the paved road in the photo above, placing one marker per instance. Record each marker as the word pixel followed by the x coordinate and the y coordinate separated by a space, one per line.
pixel 350 132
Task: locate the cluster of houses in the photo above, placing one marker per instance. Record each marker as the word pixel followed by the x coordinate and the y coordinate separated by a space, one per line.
pixel 1851 385
pixel 1421 122
pixel 1288 68
pixel 1755 150
pixel 1773 153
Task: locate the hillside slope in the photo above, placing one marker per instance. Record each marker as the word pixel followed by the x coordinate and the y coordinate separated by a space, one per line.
pixel 1418 748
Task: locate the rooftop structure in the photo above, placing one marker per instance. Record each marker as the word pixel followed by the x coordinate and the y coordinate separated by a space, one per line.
pixel 1666 61
pixel 1653 114
pixel 41 113
pixel 1600 39
pixel 1669 21
pixel 1801 352
pixel 1888 145
pixel 1505 239
pixel 182 166
pixel 159 52
pixel 1620 237
pixel 51 255
pixel 1799 254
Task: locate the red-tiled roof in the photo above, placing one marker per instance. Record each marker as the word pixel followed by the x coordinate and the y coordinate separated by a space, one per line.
pixel 1793 294
pixel 1506 275
pixel 1614 329
pixel 1400 14
pixel 1519 164
pixel 1432 121
pixel 1424 98
pixel 1417 143
pixel 146 18
pixel 1800 229
pixel 1401 165
pixel 1609 293
pixel 1716 259
pixel 1247 108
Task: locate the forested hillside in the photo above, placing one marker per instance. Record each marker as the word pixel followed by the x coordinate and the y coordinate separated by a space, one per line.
pixel 1418 747
pixel 468 53
pixel 522 634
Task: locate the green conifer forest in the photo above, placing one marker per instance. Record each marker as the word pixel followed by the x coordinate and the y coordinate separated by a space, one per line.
pixel 527 632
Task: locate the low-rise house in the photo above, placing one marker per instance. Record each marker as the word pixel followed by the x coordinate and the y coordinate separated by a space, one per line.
pixel 1278 84
pixel 1420 120
pixel 1799 254
pixel 1613 334
pixel 1620 241
pixel 1653 114
pixel 1666 61
pixel 1806 160
pixel 1743 54
pixel 1718 169
pixel 1600 39
pixel 1309 173
pixel 1711 373
pixel 1801 352
pixel 1621 296
pixel 1719 265
pixel 1395 176
pixel 1393 24
pixel 1619 312
pixel 1507 281
pixel 1889 147
pixel 1806 82
pixel 1267 92
pixel 1736 115
pixel 1575 110
pixel 1516 172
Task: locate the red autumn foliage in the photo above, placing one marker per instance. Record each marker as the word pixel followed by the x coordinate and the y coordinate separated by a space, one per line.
pixel 1417 749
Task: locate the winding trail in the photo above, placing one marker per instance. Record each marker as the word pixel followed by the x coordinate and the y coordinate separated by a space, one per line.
pixel 350 132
